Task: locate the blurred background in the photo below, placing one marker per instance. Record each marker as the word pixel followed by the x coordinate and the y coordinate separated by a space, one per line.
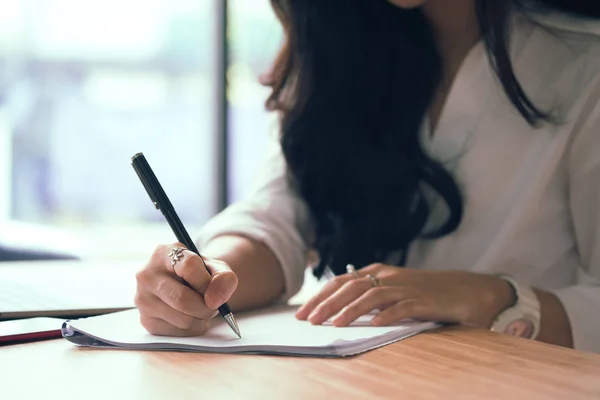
pixel 85 85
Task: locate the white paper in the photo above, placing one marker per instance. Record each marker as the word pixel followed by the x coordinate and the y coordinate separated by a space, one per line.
pixel 274 330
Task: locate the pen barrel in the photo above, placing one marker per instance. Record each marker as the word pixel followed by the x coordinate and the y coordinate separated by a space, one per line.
pixel 161 201
pixel 224 309
pixel 179 231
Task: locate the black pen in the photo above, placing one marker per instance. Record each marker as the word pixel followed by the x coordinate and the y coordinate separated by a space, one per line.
pixel 162 203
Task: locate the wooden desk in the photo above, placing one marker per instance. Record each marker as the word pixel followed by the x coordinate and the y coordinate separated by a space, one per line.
pixel 452 363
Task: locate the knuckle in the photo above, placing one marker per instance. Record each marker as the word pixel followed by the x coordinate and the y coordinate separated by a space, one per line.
pixel 338 281
pixel 175 293
pixel 373 267
pixel 161 287
pixel 353 284
pixel 149 324
pixel 378 291
pixel 138 300
pixel 142 277
pixel 191 268
pixel 178 299
pixel 158 252
pixel 378 267
pixel 325 308
pixel 186 322
pixel 412 306
pixel 352 309
pixel 188 264
pixel 201 329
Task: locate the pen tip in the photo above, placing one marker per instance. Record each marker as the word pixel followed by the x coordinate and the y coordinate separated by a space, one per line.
pixel 233 324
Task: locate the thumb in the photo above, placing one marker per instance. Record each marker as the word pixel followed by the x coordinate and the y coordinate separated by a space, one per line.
pixel 222 285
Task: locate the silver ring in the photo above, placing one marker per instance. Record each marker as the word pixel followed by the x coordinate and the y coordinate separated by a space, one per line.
pixel 175 256
pixel 351 270
pixel 376 282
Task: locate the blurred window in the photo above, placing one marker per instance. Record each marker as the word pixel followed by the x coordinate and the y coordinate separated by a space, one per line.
pixel 86 85
pixel 255 37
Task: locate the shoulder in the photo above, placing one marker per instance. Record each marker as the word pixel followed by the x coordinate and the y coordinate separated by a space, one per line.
pixel 559 59
pixel 572 45
pixel 558 32
pixel 571 26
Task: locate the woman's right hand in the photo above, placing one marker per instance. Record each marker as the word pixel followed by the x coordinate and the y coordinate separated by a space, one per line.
pixel 167 306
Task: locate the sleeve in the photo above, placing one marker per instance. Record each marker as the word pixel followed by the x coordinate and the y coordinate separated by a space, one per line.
pixel 273 215
pixel 582 301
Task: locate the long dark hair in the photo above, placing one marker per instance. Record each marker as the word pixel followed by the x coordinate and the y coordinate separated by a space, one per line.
pixel 353 82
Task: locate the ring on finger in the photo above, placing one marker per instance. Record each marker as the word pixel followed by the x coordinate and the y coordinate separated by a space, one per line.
pixel 374 280
pixel 175 255
pixel 351 270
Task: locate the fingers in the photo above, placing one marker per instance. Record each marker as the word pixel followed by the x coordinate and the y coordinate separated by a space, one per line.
pixel 222 285
pixel 172 292
pixel 305 311
pixel 178 298
pixel 372 269
pixel 406 309
pixel 159 327
pixel 153 307
pixel 333 286
pixel 161 257
pixel 349 292
pixel 187 266
pixel 190 267
pixel 374 298
pixel 168 307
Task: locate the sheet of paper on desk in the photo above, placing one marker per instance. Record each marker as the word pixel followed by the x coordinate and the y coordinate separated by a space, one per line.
pixel 270 331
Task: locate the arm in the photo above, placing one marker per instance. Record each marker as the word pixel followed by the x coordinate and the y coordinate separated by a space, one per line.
pixel 555 326
pixel 569 315
pixel 251 261
pixel 264 238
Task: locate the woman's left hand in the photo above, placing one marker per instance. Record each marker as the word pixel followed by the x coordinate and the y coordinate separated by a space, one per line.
pixel 400 293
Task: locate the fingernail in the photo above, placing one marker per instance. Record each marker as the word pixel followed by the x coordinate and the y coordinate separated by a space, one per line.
pixel 376 321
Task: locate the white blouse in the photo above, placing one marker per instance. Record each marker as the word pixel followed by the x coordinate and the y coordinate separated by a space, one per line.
pixel 532 195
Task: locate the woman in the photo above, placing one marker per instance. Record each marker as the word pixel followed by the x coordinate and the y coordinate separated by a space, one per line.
pixel 450 150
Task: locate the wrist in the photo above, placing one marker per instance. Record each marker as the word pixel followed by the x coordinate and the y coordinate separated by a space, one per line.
pixel 523 318
pixel 501 297
pixel 555 326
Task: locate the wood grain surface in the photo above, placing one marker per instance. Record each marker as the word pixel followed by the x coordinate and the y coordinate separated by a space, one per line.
pixel 450 363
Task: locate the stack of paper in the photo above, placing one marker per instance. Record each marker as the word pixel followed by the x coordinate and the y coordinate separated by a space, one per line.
pixel 269 331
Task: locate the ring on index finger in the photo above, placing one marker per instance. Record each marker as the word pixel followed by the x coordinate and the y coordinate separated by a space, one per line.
pixel 175 256
pixel 374 280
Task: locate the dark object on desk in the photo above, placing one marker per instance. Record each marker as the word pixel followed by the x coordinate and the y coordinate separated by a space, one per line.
pixel 24 254
pixel 29 330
